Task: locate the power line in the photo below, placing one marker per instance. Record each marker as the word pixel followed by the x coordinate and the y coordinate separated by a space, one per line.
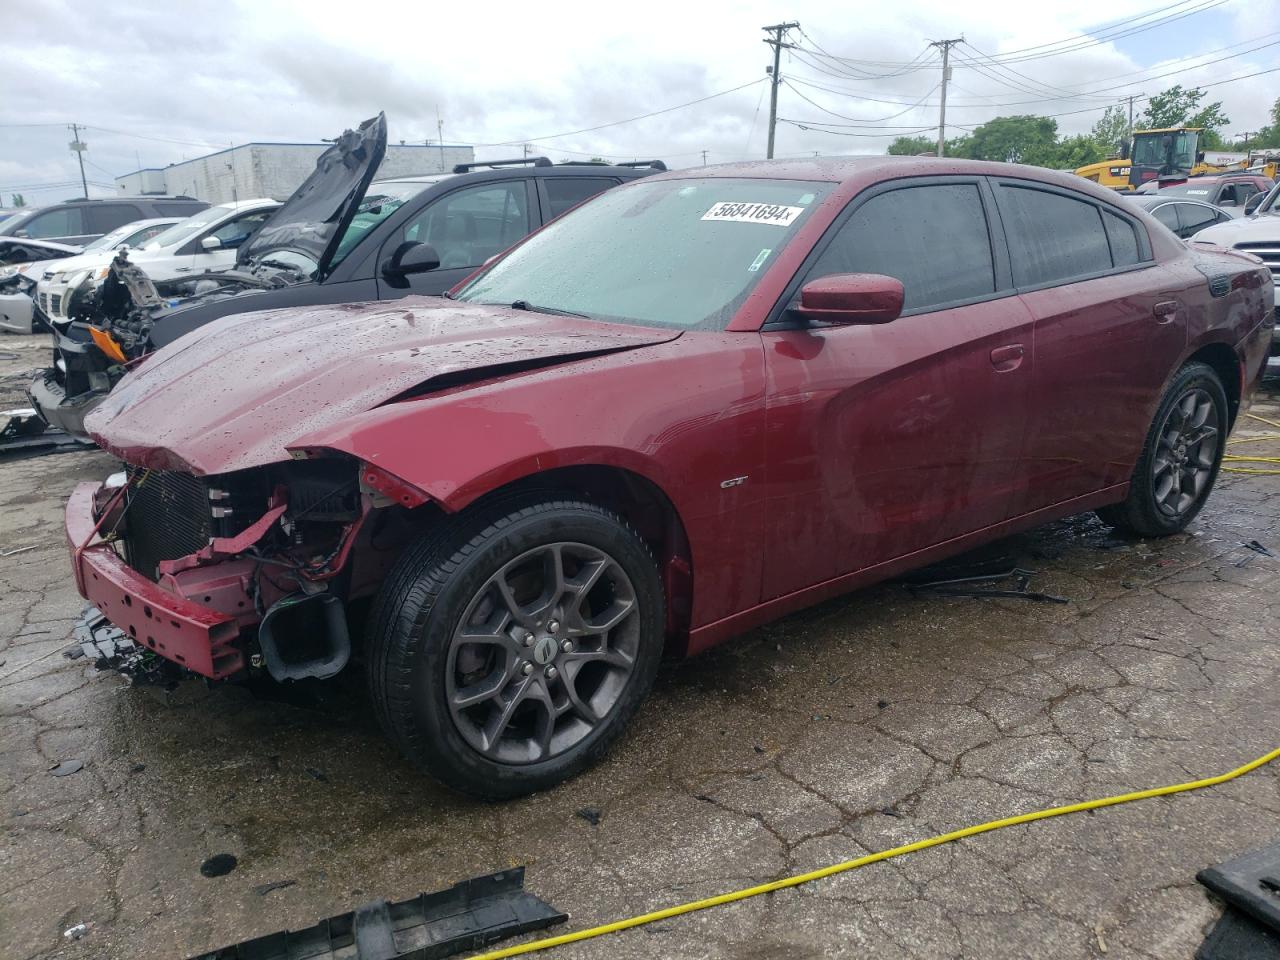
pixel 841 116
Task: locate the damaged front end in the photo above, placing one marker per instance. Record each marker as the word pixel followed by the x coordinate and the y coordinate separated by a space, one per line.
pixel 227 576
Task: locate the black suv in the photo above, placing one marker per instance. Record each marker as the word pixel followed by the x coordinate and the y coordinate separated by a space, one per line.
pixel 341 237
pixel 82 221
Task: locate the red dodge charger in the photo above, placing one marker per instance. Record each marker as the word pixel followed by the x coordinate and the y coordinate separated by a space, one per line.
pixel 688 406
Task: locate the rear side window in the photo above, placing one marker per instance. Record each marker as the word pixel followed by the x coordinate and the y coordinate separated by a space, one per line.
pixel 105 217
pixel 1168 215
pixel 1124 240
pixel 189 209
pixel 565 193
pixel 1052 238
pixel 1195 218
pixel 933 238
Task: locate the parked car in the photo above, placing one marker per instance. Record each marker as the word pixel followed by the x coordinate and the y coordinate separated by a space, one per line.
pixel 336 240
pixel 16 299
pixel 23 261
pixel 81 221
pixel 1184 217
pixel 1231 191
pixel 693 404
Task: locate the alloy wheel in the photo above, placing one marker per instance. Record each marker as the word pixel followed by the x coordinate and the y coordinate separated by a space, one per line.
pixel 543 653
pixel 1186 452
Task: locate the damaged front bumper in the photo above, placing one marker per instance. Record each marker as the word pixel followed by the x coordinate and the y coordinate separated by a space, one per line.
pixel 190 634
pixel 56 409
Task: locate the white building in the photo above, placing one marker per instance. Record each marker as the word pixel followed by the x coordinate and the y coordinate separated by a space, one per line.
pixel 274 170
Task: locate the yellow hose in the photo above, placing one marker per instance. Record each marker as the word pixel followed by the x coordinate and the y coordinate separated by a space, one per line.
pixel 798 879
pixel 1256 471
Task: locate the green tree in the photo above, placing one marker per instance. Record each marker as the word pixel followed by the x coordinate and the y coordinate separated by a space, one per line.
pixel 1079 150
pixel 1023 139
pixel 18 200
pixel 1268 136
pixel 912 146
pixel 1110 132
pixel 1176 107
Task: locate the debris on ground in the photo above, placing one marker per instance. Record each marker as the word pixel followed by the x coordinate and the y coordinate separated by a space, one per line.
pixel 219 865
pixel 67 767
pixel 263 889
pixel 465 917
pixel 315 774
pixel 77 932
pixel 1256 547
pixel 590 814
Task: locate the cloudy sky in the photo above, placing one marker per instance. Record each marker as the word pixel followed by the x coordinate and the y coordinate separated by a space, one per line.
pixel 159 82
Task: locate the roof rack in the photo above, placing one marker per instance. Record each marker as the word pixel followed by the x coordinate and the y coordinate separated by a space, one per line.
pixel 518 162
pixel 652 164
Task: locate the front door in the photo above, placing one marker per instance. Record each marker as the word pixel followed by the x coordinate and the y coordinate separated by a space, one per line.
pixel 883 440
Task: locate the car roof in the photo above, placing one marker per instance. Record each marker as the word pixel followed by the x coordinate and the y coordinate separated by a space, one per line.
pixel 526 170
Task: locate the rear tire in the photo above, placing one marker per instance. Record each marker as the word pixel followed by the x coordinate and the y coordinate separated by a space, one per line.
pixel 509 649
pixel 1180 458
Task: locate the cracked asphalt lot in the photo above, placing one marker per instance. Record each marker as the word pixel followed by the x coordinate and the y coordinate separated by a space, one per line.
pixel 870 721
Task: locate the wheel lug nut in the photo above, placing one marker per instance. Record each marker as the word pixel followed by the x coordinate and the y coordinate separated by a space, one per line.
pixel 553 626
pixel 567 646
pixel 528 639
pixel 527 668
pixel 551 673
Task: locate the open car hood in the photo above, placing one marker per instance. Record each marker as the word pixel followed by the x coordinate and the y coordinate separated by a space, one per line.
pixel 236 392
pixel 317 214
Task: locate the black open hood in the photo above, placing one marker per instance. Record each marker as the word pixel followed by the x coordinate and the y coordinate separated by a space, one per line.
pixel 314 219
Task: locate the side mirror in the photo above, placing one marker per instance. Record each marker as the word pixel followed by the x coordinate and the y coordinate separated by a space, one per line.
pixel 211 243
pixel 851 298
pixel 1254 202
pixel 410 257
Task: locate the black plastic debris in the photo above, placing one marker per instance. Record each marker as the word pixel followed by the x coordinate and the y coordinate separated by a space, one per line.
pixel 23 434
pixel 976 574
pixel 67 767
pixel 1250 882
pixel 1256 547
pixel 590 814
pixel 467 916
pixel 110 648
pixel 1237 936
pixel 219 865
pixel 263 889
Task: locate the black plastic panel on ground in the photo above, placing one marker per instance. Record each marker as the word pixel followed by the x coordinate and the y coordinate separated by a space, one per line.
pixel 467 916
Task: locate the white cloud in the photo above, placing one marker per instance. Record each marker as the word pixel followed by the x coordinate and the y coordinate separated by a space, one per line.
pixel 227 73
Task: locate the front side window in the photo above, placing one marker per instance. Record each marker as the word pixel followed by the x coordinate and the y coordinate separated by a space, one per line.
pixel 469 226
pixel 235 232
pixel 62 222
pixel 1168 215
pixel 668 253
pixel 1195 218
pixel 932 238
pixel 380 201
pixel 1052 238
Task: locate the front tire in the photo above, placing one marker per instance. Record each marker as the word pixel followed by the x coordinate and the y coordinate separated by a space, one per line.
pixel 508 650
pixel 1180 458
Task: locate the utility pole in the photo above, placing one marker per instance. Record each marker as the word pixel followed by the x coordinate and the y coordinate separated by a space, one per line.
pixel 79 147
pixel 779 32
pixel 704 158
pixel 1245 137
pixel 946 46
pixel 440 130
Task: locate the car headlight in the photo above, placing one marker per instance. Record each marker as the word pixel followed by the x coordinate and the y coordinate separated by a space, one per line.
pixel 12 270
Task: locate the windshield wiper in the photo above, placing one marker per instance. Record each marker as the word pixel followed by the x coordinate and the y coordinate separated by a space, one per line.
pixel 533 307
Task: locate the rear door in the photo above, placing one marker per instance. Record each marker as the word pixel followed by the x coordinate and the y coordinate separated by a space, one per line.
pixel 466 226
pixel 1194 217
pixel 885 439
pixel 105 217
pixel 1109 327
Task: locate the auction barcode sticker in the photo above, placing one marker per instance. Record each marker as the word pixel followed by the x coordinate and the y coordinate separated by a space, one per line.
pixel 776 214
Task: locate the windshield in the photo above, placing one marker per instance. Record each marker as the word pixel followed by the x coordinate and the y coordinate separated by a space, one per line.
pixel 666 253
pixel 117 236
pixel 1166 151
pixel 382 200
pixel 180 233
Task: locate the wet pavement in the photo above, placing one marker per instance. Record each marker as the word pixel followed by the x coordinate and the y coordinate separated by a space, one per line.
pixel 870 721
